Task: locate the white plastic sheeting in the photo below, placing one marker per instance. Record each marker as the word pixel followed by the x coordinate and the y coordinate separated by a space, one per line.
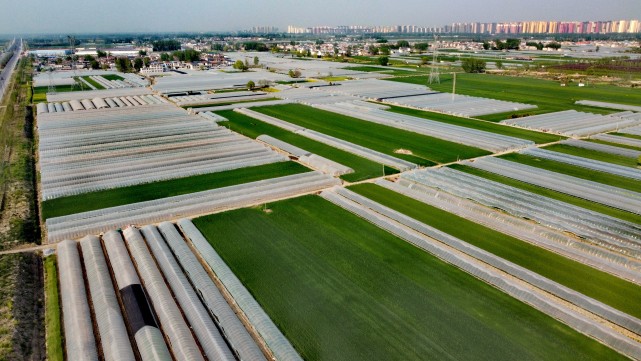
pixel 349 147
pixel 632 142
pixel 103 149
pixel 573 123
pixel 277 343
pixel 417 96
pixel 203 326
pixel 474 261
pixel 627 172
pixel 593 103
pixel 113 333
pixel 631 153
pixel 235 332
pixel 149 340
pixel 178 333
pixel 312 160
pixel 539 235
pixel 607 232
pixel 453 133
pixel 79 338
pixel 188 205
pixel 597 192
pixel 107 93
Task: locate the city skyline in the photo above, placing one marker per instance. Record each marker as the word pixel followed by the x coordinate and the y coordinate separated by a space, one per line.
pixel 74 16
pixel 630 26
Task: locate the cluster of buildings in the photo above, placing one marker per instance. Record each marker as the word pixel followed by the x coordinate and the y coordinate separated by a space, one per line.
pixel 522 27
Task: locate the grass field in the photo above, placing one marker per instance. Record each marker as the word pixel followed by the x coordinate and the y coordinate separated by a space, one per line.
pixel 52 311
pixel 613 212
pixel 40 92
pixel 113 77
pixel 604 287
pixel 425 150
pixel 574 171
pixel 343 289
pixel 593 154
pixel 363 168
pixel 546 94
pixel 537 137
pixel 93 82
pixel 144 192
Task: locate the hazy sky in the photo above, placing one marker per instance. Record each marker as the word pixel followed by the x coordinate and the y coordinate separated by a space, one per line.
pixel 66 16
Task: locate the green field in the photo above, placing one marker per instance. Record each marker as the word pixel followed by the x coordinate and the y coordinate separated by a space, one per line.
pixel 537 137
pixel 603 287
pixel 52 311
pixel 40 92
pixel 343 289
pixel 426 151
pixel 113 77
pixel 546 94
pixel 613 212
pixel 593 154
pixel 363 168
pixel 93 82
pixel 168 188
pixel 575 171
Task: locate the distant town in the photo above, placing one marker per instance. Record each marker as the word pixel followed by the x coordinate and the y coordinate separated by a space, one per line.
pixel 518 27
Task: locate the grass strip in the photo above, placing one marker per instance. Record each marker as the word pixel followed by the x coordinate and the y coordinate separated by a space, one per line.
pixel 52 311
pixel 575 171
pixel 604 287
pixel 579 202
pixel 363 168
pixel 536 137
pixel 425 151
pixel 168 188
pixel 341 288
pixel 593 154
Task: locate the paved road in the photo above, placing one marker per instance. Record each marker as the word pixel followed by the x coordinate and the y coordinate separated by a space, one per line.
pixel 7 72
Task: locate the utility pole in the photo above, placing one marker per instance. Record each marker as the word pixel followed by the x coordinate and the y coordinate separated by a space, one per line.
pixel 453 85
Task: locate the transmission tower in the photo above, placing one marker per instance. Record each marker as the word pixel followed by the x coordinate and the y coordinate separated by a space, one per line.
pixel 434 72
pixel 52 88
pixel 72 48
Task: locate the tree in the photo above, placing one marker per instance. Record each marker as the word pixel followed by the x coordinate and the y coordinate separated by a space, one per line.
pixel 166 45
pixel 421 46
pixel 512 44
pixel 165 57
pixel 473 65
pixel 294 73
pixel 251 85
pixel 402 44
pixel 499 64
pixel 553 45
pixel 383 60
pixel 146 61
pixel 239 65
pixel 94 64
pixel 424 60
pixel 256 61
pixel 142 52
pixel 373 50
pixel 486 45
pixel 383 50
pixel 138 63
pixel 123 64
pixel 101 54
pixel 88 58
